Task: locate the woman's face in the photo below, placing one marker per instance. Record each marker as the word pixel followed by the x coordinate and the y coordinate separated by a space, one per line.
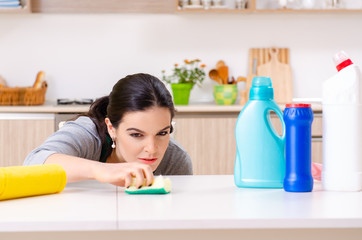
pixel 142 136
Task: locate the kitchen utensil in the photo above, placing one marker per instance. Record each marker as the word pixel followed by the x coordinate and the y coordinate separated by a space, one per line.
pixel 214 75
pixel 240 79
pixel 259 56
pixel 262 56
pixel 280 74
pixel 223 73
pixel 220 64
pixel 232 81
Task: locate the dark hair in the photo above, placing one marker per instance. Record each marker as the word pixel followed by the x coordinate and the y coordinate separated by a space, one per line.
pixel 137 92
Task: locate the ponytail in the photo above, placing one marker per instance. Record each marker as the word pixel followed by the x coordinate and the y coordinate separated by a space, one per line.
pixel 97 113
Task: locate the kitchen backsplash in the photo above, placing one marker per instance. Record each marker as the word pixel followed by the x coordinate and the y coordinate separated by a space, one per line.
pixel 83 55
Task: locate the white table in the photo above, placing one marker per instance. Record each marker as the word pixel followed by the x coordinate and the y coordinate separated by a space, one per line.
pixel 202 207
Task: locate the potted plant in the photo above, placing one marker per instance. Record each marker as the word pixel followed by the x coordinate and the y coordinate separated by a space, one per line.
pixel 183 79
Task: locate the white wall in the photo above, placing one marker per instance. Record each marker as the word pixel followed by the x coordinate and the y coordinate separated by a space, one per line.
pixel 83 55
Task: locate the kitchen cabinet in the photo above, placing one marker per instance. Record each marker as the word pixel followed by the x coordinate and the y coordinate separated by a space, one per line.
pixel 205 131
pixel 21 133
pixel 209 138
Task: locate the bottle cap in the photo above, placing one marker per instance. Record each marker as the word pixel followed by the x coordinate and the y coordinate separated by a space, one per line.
pixel 297 105
pixel 261 89
pixel 341 60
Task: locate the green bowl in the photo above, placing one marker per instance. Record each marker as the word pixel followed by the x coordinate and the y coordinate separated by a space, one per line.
pixel 225 94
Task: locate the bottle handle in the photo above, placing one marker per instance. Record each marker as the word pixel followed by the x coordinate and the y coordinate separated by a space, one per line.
pixel 280 115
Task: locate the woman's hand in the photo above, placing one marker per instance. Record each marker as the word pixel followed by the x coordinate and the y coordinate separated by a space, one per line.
pixel 119 174
pixel 122 174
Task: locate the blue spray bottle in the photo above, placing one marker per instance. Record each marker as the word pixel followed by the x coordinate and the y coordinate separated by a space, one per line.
pixel 260 161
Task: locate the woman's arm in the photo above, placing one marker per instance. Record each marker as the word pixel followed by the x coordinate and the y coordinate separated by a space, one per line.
pixel 119 174
pixel 77 148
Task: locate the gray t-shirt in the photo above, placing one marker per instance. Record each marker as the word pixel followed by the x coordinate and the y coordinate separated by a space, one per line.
pixel 80 138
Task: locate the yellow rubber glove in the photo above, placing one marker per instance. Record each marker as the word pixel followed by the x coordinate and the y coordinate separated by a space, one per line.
pixel 25 181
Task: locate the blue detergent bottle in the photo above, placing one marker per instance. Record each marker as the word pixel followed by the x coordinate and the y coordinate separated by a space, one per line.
pixel 298 118
pixel 260 160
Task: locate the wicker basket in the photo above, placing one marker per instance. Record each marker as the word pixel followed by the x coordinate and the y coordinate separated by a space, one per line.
pixel 23 95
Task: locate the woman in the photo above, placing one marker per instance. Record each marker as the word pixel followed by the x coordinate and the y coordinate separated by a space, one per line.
pixel 124 135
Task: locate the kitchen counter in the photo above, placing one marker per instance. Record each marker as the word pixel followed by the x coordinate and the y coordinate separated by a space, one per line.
pixel 47 107
pixel 52 107
pixel 207 205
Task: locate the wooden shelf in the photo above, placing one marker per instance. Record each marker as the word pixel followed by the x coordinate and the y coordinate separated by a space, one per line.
pixel 269 11
pixel 306 10
pixel 215 10
pixel 103 6
pixel 143 6
pixel 25 8
pixel 252 9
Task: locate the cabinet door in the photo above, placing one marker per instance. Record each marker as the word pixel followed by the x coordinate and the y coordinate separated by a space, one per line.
pixel 209 140
pixel 20 134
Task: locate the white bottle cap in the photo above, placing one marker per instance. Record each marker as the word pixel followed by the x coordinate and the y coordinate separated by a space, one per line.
pixel 340 57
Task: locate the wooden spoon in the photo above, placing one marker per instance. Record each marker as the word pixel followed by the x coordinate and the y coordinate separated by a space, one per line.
pixel 214 75
pixel 220 63
pixel 240 79
pixel 223 73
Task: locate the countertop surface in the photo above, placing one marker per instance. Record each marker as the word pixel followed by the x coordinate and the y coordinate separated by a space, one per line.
pixel 196 202
pixel 52 107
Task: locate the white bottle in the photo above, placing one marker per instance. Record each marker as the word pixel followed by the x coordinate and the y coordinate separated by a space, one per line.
pixel 342 127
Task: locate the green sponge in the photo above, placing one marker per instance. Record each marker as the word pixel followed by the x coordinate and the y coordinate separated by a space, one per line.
pixel 160 185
